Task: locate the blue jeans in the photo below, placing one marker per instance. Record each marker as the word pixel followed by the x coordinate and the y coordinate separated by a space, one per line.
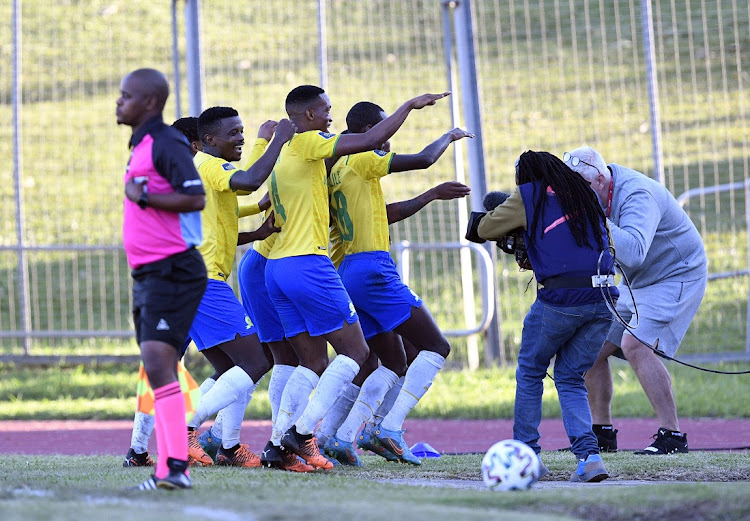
pixel 574 335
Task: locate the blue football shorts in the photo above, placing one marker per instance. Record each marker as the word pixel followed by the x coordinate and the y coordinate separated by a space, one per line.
pixel 220 317
pixel 255 297
pixel 308 295
pixel 383 302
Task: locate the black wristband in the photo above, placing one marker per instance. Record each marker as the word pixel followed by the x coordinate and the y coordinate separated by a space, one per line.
pixel 143 200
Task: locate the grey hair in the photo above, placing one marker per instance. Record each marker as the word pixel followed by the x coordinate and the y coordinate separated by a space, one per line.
pixel 588 155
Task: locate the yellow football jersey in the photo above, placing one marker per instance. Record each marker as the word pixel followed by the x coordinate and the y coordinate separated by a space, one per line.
pixel 299 195
pixel 337 246
pixel 357 201
pixel 220 216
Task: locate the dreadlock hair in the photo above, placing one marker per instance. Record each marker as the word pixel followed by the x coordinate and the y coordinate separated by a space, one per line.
pixel 363 114
pixel 578 201
pixel 208 122
pixel 189 127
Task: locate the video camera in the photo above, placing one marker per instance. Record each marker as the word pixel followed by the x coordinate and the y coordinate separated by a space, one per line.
pixel 512 243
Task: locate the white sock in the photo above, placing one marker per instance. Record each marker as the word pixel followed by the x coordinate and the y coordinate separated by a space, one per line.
pixel 334 379
pixel 232 416
pixel 337 414
pixel 370 397
pixel 229 387
pixel 279 377
pixel 143 426
pixel 388 401
pixel 206 386
pixel 418 380
pixel 293 400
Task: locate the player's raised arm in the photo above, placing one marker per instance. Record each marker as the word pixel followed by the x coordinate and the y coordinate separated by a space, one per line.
pixel 382 132
pixel 252 178
pixel 430 154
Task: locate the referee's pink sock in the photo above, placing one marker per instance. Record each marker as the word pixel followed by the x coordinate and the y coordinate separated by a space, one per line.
pixel 171 428
pixel 161 443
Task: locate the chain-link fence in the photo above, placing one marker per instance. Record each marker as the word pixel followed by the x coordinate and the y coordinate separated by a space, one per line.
pixel 552 74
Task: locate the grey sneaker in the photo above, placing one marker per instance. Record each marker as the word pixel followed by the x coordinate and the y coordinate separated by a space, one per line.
pixel 590 470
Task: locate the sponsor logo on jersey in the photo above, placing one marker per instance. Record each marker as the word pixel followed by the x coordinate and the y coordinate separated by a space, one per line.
pixel 228 166
pixel 326 135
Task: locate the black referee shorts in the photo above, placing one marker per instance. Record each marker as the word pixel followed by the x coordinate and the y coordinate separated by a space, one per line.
pixel 166 295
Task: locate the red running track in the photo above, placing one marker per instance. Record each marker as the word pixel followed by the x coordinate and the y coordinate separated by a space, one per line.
pixel 447 436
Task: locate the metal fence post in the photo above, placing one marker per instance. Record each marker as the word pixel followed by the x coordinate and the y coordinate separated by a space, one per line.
pixel 17 99
pixel 322 44
pixel 194 58
pixel 176 62
pixel 475 147
pixel 653 89
pixel 467 275
pixel 747 239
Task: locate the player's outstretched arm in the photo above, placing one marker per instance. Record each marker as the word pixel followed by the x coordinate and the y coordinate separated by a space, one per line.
pixel 445 191
pixel 252 178
pixel 382 132
pixel 431 153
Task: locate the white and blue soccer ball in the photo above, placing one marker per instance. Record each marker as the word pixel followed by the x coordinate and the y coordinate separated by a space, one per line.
pixel 510 465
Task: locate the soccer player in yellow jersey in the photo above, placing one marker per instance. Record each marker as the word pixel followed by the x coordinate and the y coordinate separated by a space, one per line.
pixel 221 330
pixel 386 307
pixel 258 305
pixel 302 282
pixel 393 359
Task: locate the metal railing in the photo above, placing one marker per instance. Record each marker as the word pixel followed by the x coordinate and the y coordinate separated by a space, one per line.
pixel 403 251
pixel 682 200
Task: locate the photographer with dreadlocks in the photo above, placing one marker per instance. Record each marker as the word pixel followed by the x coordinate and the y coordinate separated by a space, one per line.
pixel 663 258
pixel 568 247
